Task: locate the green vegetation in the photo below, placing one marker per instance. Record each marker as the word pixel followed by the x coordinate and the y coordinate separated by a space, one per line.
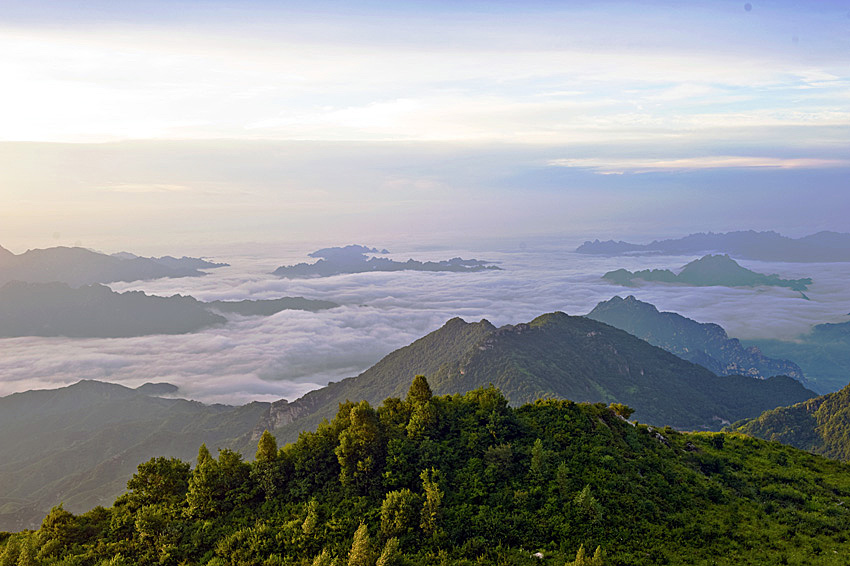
pixel 555 355
pixel 820 425
pixel 467 479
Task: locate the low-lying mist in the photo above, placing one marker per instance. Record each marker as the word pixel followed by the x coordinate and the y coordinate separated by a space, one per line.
pixel 292 352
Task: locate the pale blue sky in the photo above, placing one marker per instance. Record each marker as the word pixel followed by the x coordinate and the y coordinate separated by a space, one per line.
pixel 596 116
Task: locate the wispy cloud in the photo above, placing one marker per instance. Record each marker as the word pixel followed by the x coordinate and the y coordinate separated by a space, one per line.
pixel 618 166
pixel 146 188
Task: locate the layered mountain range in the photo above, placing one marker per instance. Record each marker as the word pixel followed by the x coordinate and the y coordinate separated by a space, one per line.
pixel 108 429
pixel 79 266
pixel 766 246
pixel 555 355
pixel 705 344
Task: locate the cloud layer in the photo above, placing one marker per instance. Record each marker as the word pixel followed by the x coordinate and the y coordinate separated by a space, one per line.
pixel 287 354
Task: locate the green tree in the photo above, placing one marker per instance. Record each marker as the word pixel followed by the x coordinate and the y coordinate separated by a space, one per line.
pixel 432 508
pixel 419 392
pixel 360 450
pixel 588 504
pixel 361 551
pixel 391 555
pixel 537 468
pixel 399 513
pixel 265 470
pixel 621 410
pixel 204 454
pixel 159 481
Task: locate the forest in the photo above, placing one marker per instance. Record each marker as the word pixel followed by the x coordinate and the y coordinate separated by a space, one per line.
pixel 467 479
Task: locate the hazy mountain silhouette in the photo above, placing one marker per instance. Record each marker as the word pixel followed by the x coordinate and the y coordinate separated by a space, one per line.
pixel 705 344
pixel 79 266
pixel 767 246
pixel 823 353
pixel 354 259
pixel 96 311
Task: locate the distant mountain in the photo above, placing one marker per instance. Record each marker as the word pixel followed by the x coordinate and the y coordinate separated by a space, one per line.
pixel 708 271
pixel 555 355
pixel 78 266
pixel 80 444
pixel 766 246
pixel 353 259
pixel 268 307
pixel 705 344
pixel 95 311
pixel 174 262
pixel 820 425
pixel 823 353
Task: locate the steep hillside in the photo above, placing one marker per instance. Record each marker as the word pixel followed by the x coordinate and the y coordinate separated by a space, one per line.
pixel 556 355
pixel 80 443
pixel 701 343
pixel 465 480
pixel 820 425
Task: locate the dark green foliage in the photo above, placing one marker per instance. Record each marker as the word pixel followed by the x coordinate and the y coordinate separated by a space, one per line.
pixel 488 484
pixel 820 425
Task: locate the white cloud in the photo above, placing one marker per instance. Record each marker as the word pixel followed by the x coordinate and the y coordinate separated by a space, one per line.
pixel 292 352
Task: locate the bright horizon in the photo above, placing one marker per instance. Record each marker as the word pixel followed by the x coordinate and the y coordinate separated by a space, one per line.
pixel 152 125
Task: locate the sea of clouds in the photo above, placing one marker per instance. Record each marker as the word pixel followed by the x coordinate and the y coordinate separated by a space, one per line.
pixel 292 352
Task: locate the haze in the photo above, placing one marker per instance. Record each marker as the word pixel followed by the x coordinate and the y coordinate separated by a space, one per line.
pixel 253 132
pixel 147 124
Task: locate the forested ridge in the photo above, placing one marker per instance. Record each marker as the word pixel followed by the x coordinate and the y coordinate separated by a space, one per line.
pixel 467 479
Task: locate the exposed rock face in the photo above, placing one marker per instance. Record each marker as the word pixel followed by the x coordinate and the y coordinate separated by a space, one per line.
pixel 705 344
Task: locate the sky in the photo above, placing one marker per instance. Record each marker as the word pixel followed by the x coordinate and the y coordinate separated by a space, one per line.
pixel 159 123
pixel 254 131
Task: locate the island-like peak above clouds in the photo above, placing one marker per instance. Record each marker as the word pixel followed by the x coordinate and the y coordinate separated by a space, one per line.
pixel 79 266
pixel 96 311
pixel 354 259
pixel 766 246
pixel 708 271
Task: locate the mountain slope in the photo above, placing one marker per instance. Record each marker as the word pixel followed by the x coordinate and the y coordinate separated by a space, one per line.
pixel 823 353
pixel 79 444
pixel 465 480
pixel 820 425
pixel 555 355
pixel 705 344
